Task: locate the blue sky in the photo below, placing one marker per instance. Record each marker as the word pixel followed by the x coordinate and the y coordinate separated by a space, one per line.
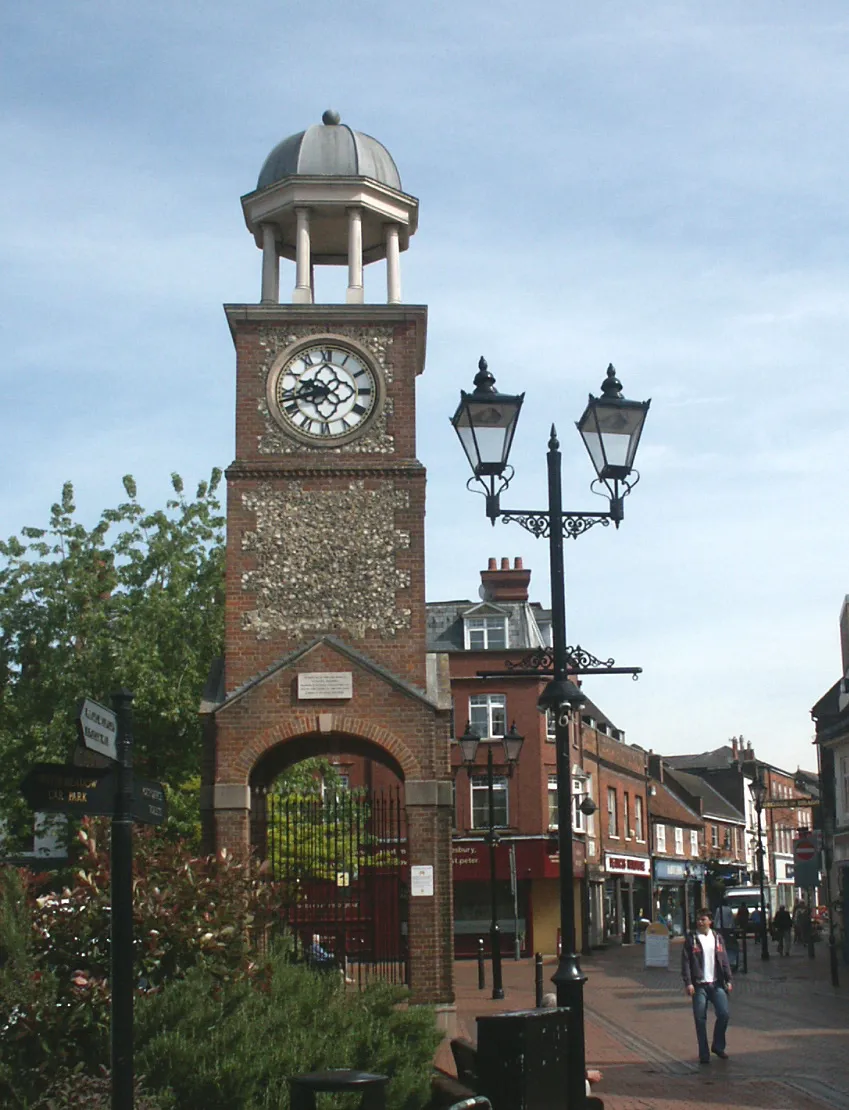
pixel 660 185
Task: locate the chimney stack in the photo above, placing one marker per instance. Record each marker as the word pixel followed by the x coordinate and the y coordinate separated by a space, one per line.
pixel 507 583
pixel 734 752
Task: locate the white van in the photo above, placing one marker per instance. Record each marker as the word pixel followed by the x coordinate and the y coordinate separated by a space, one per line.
pixel 749 896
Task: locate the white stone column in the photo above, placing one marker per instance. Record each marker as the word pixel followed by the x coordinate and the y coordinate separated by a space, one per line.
pixel 393 265
pixel 303 285
pixel 270 266
pixel 355 257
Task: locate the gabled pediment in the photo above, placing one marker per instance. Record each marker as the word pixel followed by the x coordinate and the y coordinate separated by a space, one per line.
pixel 485 609
pixel 214 699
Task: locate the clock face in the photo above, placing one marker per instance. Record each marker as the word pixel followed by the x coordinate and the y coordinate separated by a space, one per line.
pixel 324 392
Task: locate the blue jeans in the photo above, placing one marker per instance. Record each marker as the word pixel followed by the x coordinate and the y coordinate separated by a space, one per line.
pixel 710 992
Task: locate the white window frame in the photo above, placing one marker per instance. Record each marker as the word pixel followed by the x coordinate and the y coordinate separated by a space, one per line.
pixel 579 818
pixel 626 816
pixel 660 837
pixel 679 841
pixel 639 822
pixel 552 803
pixel 694 842
pixel 487 626
pixel 479 784
pixel 714 836
pixel 490 720
pixel 612 813
pixel 550 726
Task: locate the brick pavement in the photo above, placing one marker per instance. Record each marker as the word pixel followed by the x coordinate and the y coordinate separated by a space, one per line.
pixel 788 1038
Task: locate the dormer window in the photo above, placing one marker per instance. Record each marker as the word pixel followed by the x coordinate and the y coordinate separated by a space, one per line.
pixel 486 633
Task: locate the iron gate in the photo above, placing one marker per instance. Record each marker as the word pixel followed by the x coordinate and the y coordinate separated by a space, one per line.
pixel 341 864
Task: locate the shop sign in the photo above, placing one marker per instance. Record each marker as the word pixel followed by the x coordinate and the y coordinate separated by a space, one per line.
pixel 678 870
pixel 626 865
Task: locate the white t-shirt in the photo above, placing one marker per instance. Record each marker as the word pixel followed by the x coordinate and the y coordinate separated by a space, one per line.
pixel 708 943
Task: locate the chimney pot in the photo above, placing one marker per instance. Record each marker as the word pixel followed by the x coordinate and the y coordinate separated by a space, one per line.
pixel 505 564
pixel 491 565
pixel 517 563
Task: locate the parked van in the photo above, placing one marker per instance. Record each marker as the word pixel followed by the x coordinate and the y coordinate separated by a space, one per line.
pixel 749 896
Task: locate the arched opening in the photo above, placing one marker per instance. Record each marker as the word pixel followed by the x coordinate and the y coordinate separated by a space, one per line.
pixel 328 818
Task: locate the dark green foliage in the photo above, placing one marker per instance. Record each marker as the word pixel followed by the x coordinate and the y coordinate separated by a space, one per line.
pixel 136 601
pixel 76 1091
pixel 232 1045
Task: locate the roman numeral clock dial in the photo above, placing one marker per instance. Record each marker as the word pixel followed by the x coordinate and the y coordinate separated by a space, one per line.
pixel 323 393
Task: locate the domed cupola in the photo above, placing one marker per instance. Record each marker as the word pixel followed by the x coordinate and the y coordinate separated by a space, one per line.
pixel 330 196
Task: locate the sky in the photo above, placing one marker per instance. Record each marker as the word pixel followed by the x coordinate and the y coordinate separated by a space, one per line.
pixel 657 185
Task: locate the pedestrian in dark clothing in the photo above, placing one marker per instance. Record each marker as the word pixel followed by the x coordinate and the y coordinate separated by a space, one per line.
pixel 783 925
pixel 707 979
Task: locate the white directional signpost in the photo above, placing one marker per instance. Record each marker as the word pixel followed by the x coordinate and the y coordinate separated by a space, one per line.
pixel 107 789
pixel 98 729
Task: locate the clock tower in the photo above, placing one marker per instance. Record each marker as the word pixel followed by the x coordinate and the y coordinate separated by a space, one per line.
pixel 325 607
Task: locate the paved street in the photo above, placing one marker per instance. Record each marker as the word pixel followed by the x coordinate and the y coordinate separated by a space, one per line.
pixel 788 1040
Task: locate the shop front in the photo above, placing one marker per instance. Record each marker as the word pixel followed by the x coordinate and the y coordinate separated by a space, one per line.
pixel 678 893
pixel 527 885
pixel 626 896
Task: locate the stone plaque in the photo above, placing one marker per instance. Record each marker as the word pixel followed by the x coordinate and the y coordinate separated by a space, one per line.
pixel 326 684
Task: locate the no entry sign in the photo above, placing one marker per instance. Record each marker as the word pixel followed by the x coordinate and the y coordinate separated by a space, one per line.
pixel 805 850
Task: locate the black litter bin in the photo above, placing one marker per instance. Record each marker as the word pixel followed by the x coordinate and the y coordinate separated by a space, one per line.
pixel 303 1088
pixel 522 1059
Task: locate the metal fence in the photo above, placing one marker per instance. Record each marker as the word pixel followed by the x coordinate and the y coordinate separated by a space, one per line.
pixel 340 861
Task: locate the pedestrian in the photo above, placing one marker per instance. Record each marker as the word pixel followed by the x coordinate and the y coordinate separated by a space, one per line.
pixel 723 919
pixel 707 979
pixel 742 921
pixel 798 922
pixel 783 925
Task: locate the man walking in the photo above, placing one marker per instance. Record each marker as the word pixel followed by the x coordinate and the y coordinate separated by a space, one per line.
pixel 783 925
pixel 707 979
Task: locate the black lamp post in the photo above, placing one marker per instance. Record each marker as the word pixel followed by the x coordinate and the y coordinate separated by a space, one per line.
pixel 758 789
pixel 485 422
pixel 512 742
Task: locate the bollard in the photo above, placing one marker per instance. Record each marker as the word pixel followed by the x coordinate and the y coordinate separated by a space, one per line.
pixel 538 980
pixel 481 966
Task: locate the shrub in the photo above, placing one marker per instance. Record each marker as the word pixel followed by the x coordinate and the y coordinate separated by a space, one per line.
pixel 232 1044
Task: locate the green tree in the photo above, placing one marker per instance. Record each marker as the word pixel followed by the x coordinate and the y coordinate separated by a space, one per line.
pixel 135 601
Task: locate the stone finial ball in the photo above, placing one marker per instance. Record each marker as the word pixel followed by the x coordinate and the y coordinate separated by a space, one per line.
pixel 331 118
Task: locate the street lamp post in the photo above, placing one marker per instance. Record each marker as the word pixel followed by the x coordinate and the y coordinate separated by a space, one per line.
pixel 758 790
pixel 485 422
pixel 512 743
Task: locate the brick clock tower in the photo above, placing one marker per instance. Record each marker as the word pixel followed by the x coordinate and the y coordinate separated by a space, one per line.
pixel 325 607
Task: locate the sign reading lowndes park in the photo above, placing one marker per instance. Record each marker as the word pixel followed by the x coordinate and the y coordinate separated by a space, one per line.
pixel 98 727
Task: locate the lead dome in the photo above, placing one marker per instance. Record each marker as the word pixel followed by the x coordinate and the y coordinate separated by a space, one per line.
pixel 330 149
pixel 330 196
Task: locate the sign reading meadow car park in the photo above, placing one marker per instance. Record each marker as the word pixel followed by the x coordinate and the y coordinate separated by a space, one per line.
pixel 98 728
pixel 63 788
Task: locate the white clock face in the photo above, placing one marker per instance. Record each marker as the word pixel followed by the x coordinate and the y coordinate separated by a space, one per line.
pixel 324 392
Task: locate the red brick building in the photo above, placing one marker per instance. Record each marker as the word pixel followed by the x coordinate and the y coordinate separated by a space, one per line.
pixel 482 641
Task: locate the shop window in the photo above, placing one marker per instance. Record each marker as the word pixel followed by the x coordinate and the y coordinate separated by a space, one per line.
pixel 488 714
